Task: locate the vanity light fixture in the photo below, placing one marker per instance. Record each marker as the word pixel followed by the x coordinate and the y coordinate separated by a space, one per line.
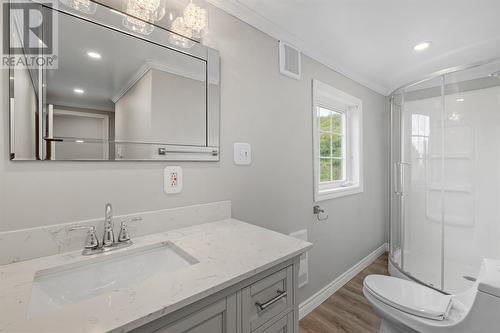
pixel 137 25
pixel 142 14
pixel 196 19
pixel 94 55
pixel 78 91
pixel 422 46
pixel 136 22
pixel 84 6
pixel 192 24
pixel 181 33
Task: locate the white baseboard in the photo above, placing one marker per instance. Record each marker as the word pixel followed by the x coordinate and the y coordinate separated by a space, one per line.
pixel 315 300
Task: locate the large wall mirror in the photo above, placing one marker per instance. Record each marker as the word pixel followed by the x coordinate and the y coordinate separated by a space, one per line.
pixel 115 95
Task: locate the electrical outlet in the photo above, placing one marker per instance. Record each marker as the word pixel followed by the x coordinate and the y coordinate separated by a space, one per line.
pixel 172 179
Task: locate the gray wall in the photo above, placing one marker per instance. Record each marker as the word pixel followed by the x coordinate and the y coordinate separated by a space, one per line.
pixel 259 106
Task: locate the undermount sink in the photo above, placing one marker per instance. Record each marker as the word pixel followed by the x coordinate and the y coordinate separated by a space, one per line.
pixel 63 285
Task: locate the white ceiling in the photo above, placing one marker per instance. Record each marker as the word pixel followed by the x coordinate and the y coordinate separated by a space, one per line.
pixel 122 59
pixel 371 41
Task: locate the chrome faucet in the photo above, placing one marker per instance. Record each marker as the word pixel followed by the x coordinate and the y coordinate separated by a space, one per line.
pixel 108 237
pixel 92 245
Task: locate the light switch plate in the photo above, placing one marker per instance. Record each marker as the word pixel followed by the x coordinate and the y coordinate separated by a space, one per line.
pixel 242 153
pixel 172 179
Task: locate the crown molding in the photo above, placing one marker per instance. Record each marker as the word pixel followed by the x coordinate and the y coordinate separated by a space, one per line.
pixel 248 15
pixel 163 67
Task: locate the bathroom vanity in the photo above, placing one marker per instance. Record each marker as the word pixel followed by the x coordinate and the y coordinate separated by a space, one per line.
pixel 223 276
pixel 263 303
pixel 119 94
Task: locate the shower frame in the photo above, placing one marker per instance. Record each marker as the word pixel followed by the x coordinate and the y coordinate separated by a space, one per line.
pixel 396 269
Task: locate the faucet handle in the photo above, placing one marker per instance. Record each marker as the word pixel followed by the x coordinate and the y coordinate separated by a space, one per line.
pixel 92 242
pixel 124 236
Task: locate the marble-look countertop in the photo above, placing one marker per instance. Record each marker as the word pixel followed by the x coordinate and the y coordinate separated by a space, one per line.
pixel 227 252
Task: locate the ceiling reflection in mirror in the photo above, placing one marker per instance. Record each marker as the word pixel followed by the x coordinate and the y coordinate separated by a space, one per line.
pixel 116 96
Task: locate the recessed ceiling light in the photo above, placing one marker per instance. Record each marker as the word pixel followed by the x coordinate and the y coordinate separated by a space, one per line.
pixel 422 46
pixel 79 141
pixel 78 91
pixel 94 55
pixel 460 99
pixel 11 77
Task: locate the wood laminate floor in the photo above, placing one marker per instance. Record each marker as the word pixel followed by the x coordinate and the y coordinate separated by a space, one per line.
pixel 347 311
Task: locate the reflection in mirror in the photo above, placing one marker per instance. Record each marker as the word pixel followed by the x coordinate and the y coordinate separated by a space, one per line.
pixel 24 117
pixel 117 96
pixel 129 90
pixel 84 6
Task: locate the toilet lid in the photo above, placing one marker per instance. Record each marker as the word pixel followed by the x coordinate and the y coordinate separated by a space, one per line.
pixel 409 296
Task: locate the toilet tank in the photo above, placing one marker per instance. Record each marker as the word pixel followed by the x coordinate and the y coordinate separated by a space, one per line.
pixel 489 277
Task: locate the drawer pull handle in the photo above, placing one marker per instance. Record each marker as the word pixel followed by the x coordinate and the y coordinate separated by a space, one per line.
pixel 263 306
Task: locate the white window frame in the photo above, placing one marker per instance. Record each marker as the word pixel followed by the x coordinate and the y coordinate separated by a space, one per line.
pixel 328 97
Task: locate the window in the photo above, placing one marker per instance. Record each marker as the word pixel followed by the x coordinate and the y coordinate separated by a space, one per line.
pixel 332 145
pixel 337 142
pixel 420 132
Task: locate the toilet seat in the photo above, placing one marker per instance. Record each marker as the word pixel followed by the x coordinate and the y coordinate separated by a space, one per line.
pixel 409 296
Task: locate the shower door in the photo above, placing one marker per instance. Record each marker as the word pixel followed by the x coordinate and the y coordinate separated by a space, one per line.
pixel 418 181
pixel 472 173
pixel 445 168
pixel 396 199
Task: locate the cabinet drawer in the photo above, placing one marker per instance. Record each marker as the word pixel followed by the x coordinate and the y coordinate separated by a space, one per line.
pixel 282 325
pixel 266 299
pixel 219 317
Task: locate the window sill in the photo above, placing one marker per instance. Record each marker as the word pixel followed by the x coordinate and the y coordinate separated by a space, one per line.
pixel 337 192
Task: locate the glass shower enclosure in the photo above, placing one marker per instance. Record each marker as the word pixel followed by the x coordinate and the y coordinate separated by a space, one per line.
pixel 445 176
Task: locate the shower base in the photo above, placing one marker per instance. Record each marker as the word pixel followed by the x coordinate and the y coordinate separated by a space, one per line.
pixel 418 268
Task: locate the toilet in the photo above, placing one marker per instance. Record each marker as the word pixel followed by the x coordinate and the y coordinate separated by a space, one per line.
pixel 407 306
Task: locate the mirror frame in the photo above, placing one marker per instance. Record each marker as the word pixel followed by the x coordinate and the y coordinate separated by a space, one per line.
pixel 111 18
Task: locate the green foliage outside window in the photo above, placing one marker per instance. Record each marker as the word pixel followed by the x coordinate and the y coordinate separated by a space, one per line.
pixel 330 145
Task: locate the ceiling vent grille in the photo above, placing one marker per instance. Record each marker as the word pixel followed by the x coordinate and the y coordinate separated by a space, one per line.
pixel 289 60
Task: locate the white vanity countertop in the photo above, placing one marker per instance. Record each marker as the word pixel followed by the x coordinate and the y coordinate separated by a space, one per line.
pixel 228 252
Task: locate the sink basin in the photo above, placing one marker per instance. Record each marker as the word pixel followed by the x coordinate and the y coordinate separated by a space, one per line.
pixel 63 285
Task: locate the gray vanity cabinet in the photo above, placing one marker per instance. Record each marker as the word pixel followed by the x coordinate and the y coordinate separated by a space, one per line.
pixel 264 303
pixel 282 325
pixel 267 299
pixel 219 317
